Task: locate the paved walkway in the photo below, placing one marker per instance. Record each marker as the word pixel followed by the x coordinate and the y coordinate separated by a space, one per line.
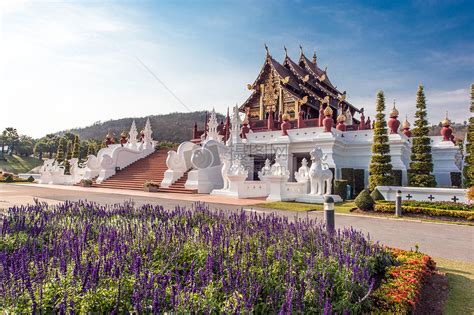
pixel 436 239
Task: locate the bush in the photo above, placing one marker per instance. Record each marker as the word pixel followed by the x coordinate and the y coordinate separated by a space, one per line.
pixel 340 188
pixel 441 205
pixel 9 179
pixel 400 290
pixel 364 201
pixel 390 208
pixel 85 182
pixel 470 194
pixel 376 195
pixel 31 179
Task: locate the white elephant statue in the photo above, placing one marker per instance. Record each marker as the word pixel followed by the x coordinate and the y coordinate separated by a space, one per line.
pixel 319 174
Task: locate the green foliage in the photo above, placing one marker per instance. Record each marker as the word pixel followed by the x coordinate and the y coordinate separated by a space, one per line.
pixel 364 201
pixel 380 167
pixel 340 188
pixel 60 151
pixel 376 195
pixel 468 168
pixel 17 164
pixel 460 214
pixel 76 147
pixel 421 165
pixel 9 179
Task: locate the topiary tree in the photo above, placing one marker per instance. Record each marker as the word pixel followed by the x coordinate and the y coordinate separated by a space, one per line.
pixel 60 151
pixel 67 164
pixel 421 165
pixel 76 147
pixel 364 201
pixel 376 195
pixel 380 168
pixel 468 169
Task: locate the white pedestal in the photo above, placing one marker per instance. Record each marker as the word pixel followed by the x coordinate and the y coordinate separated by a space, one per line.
pixel 277 187
pixel 317 198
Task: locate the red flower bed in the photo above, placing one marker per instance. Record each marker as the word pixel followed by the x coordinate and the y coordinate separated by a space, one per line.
pixel 399 291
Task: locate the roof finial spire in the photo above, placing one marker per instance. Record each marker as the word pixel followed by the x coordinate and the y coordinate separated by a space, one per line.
pixel 301 50
pixel 286 51
pixel 315 58
pixel 266 49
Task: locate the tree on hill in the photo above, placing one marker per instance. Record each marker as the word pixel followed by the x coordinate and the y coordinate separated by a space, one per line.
pixel 380 167
pixel 11 138
pixel 421 165
pixel 468 169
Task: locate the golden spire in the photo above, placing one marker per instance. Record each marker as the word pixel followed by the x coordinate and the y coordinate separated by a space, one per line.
pixel 315 58
pixel 446 122
pixel 341 117
pixel 266 49
pixel 286 51
pixel 123 134
pixel 328 111
pixel 301 50
pixel 394 112
pixel 406 124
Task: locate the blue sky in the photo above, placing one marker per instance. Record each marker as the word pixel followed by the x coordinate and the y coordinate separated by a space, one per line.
pixel 69 64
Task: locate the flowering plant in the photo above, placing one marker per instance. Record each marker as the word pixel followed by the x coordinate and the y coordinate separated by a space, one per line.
pixel 83 257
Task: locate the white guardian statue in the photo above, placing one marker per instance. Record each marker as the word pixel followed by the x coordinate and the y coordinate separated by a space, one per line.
pixel 320 175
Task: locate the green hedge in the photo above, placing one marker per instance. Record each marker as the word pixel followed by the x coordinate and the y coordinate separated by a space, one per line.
pixel 441 205
pixel 390 208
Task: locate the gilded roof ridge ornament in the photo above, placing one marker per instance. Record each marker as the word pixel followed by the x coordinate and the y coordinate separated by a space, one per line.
pixel 286 51
pixel 315 58
pixel 301 50
pixel 266 49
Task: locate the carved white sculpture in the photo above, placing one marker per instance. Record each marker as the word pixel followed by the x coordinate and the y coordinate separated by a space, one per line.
pixel 224 171
pixel 212 124
pixel 237 168
pixel 278 168
pixel 349 120
pixel 319 174
pixel 303 172
pixel 133 134
pixel 235 127
pixel 266 169
pixel 147 132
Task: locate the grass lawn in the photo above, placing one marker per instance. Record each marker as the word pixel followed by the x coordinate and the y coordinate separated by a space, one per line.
pixel 16 164
pixel 461 286
pixel 340 207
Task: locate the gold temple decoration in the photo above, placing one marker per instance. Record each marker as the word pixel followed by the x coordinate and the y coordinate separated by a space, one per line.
pixel 123 134
pixel 286 116
pixel 325 100
pixel 306 78
pixel 394 112
pixel 328 111
pixel 285 80
pixel 406 124
pixel 250 87
pixel 446 122
pixel 341 118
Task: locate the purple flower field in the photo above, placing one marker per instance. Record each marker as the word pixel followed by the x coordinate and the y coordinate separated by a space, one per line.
pixel 82 257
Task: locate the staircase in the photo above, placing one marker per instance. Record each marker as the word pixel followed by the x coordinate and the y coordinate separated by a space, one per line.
pixel 178 186
pixel 150 168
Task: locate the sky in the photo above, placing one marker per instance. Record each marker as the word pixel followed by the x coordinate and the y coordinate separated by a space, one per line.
pixel 66 64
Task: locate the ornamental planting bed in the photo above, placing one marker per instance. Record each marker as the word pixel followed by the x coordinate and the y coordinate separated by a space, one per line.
pixel 82 257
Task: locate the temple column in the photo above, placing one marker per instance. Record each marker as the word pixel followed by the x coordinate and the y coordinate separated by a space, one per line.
pixel 262 92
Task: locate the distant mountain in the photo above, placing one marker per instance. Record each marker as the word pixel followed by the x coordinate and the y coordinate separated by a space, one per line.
pixel 174 127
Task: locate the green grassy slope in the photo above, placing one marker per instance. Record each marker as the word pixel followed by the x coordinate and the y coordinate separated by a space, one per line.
pixel 16 164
